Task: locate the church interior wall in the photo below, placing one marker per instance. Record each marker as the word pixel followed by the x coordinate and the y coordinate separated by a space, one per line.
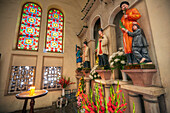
pixel 155 22
pixel 11 14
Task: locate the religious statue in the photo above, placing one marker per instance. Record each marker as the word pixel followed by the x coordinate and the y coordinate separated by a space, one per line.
pixel 139 44
pixel 86 55
pixel 129 18
pixel 78 57
pixel 102 50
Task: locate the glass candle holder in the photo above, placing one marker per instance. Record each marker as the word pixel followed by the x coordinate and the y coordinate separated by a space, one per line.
pixel 32 90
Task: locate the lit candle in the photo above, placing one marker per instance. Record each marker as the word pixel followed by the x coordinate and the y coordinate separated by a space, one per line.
pixel 32 90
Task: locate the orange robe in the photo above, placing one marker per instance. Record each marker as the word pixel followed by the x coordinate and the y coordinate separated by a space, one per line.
pixel 133 16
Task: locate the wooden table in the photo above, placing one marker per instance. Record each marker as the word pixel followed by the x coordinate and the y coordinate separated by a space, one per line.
pixel 25 95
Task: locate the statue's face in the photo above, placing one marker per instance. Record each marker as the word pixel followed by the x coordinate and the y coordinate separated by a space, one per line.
pixel 135 27
pixel 84 45
pixel 124 6
pixel 100 33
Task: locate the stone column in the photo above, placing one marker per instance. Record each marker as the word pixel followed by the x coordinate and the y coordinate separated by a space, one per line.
pixel 151 104
pixel 107 91
pixel 78 81
pixel 134 98
pixel 150 95
pixel 87 82
pixel 91 44
pixel 107 84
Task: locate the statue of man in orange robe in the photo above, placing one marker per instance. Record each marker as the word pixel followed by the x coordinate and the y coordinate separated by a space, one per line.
pixel 129 18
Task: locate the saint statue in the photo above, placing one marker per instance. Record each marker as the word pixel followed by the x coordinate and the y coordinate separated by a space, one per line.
pixel 78 57
pixel 86 56
pixel 102 50
pixel 139 44
pixel 129 18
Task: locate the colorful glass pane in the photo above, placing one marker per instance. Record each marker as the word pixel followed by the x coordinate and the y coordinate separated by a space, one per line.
pixel 54 41
pixel 30 27
pixel 29 30
pixel 30 20
pixel 32 9
pixel 30 43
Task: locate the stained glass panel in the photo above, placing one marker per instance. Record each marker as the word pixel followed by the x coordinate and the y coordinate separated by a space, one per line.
pixel 30 20
pixel 54 41
pixel 30 43
pixel 30 27
pixel 27 30
pixel 32 9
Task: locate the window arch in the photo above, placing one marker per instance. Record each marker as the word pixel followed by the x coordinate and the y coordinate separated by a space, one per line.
pixel 29 27
pixel 54 38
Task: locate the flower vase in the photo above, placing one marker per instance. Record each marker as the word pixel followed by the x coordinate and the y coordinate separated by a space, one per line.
pixel 124 76
pixel 63 92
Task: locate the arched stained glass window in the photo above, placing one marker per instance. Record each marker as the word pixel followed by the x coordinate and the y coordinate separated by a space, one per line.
pixel 54 40
pixel 29 27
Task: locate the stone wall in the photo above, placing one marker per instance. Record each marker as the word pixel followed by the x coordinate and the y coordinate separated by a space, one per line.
pixel 155 23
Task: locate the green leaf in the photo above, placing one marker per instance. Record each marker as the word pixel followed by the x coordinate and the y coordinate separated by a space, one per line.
pixel 133 107
pixel 121 25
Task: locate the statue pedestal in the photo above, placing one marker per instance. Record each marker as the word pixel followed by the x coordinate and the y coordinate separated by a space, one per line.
pixel 149 95
pixel 79 73
pixel 86 72
pixel 105 74
pixel 141 77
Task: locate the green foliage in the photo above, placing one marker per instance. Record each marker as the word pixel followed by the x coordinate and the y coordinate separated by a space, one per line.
pixel 133 107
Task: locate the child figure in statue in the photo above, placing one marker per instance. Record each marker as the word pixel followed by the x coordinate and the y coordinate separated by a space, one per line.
pixel 102 50
pixel 86 59
pixel 131 15
pixel 139 44
pixel 78 57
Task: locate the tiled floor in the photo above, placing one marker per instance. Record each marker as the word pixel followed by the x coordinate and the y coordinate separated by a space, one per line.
pixel 70 108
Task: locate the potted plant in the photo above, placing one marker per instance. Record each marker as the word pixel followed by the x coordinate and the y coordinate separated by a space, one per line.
pixel 65 83
pixel 118 61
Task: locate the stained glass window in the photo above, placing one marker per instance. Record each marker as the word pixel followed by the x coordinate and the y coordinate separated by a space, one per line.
pixel 51 77
pixel 29 27
pixel 54 40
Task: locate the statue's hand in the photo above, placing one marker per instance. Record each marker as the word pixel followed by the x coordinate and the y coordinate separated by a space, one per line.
pixel 123 29
pixel 134 22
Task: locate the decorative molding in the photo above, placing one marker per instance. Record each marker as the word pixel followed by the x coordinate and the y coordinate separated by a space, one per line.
pixel 88 7
pixel 82 31
pixel 111 25
pixel 85 6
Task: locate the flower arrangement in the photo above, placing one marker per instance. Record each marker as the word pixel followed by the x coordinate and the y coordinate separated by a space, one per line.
pixel 115 104
pixel 81 89
pixel 94 76
pixel 118 59
pixel 64 82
